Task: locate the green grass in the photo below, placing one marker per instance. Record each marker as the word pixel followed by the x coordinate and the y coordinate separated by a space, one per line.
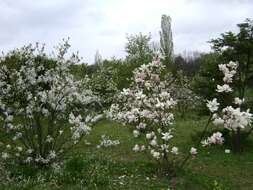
pixel 120 168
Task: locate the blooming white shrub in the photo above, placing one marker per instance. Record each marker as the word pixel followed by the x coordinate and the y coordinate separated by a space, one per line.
pixel 44 110
pixel 147 106
pixel 231 117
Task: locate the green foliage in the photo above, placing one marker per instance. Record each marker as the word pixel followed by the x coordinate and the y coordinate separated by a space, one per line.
pixel 189 64
pixel 207 78
pixel 91 171
pixel 218 186
pixel 91 69
pixel 103 86
pixel 138 49
pixel 121 70
pixel 79 70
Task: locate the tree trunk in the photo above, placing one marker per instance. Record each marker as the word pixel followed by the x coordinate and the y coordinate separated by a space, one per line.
pixel 236 138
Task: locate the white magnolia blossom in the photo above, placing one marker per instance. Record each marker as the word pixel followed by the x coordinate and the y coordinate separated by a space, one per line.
pixel 136 148
pixel 19 149
pixel 139 148
pixel 218 121
pixel 238 101
pixel 233 65
pixel 213 105
pixel 153 142
pixel 216 138
pixel 52 154
pixel 193 151
pixel 5 155
pixel 174 150
pixel 136 133
pixel 234 118
pixel 79 127
pixel 141 126
pixel 149 135
pixel 155 154
pixel 228 70
pixel 28 160
pixel 29 151
pixel 224 88
pixel 166 136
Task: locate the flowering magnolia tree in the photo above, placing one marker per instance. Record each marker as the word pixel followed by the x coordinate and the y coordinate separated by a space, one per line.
pixel 44 110
pixel 231 117
pixel 147 106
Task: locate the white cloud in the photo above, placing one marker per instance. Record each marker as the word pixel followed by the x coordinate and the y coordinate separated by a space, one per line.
pixel 103 25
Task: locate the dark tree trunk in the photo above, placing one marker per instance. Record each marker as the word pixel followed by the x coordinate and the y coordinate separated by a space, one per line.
pixel 236 138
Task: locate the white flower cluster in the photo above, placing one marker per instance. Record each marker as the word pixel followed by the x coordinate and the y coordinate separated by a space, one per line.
pixel 213 105
pixel 36 97
pixel 147 105
pixel 78 128
pixel 234 118
pixel 193 151
pixel 138 148
pixel 106 142
pixel 216 138
pixel 228 70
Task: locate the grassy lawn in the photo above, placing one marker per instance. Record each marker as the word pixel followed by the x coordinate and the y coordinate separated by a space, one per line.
pixel 120 168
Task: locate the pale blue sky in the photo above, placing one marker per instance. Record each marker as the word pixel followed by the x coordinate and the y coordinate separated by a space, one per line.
pixel 103 24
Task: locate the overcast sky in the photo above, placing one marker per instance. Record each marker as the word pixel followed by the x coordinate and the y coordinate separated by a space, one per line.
pixel 103 24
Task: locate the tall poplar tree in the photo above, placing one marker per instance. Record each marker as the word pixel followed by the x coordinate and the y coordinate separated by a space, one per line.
pixel 166 41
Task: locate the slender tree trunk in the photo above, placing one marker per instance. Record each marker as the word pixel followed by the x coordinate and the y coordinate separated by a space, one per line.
pixel 236 138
